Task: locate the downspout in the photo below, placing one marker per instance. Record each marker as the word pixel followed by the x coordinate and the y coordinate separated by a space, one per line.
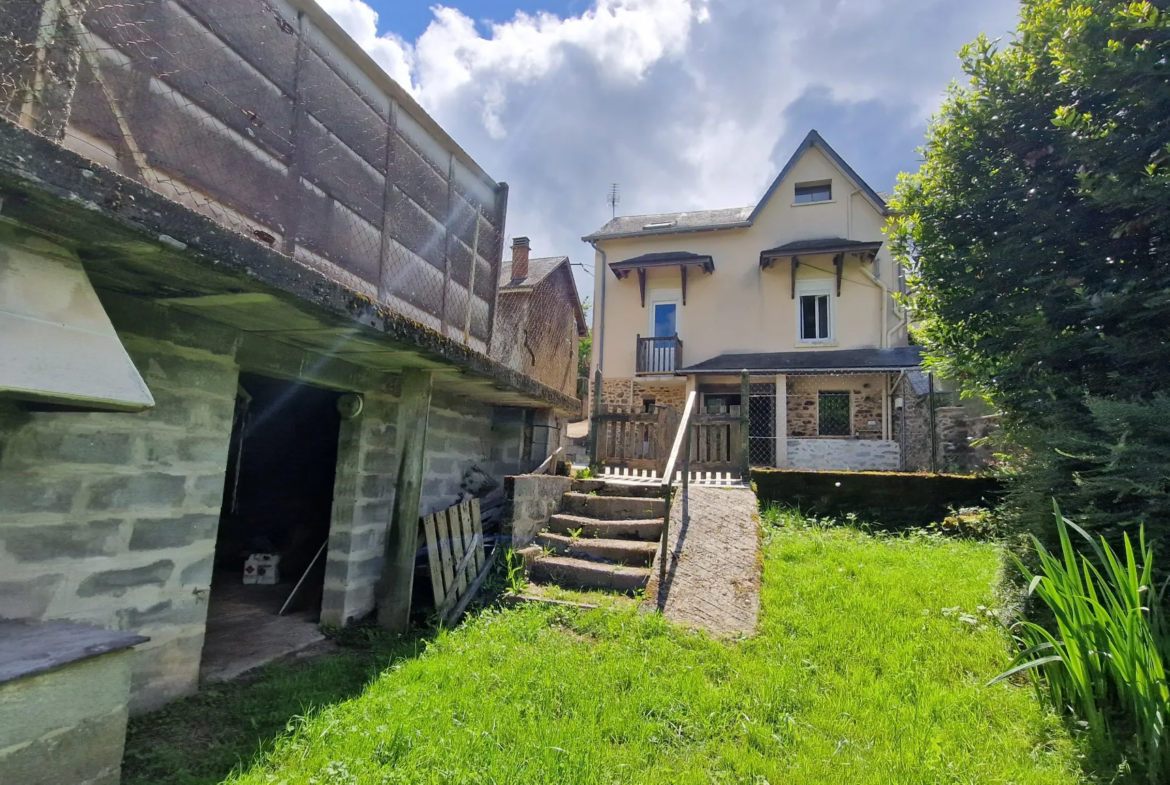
pixel 885 336
pixel 599 324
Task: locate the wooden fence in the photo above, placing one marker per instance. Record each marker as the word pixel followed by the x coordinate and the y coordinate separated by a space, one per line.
pixel 636 440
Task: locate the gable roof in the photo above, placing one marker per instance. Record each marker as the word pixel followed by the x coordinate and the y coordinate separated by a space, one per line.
pixel 732 218
pixel 540 269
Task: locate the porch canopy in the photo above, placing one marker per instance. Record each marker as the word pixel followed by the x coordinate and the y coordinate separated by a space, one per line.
pixel 680 259
pixel 834 360
pixel 835 246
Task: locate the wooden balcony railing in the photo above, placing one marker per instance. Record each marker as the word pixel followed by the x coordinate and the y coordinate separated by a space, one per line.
pixel 659 355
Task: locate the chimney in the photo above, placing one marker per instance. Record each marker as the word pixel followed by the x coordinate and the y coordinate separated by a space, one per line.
pixel 519 257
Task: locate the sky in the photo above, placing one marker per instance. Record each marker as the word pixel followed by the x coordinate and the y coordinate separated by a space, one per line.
pixel 686 104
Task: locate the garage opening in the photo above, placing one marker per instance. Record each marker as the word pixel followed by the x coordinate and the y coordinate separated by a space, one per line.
pixel 271 548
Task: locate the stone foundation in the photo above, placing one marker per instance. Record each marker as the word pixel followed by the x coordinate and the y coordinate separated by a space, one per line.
pixel 852 455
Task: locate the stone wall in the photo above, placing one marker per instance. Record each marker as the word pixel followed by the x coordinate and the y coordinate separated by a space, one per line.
pixel 111 518
pixel 957 430
pixel 67 725
pixel 531 500
pixel 617 393
pixel 663 394
pixel 865 394
pixel 853 455
pixel 626 393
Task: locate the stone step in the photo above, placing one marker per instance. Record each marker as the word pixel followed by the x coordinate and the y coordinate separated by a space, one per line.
pixel 645 529
pixel 581 574
pixel 630 552
pixel 604 488
pixel 612 508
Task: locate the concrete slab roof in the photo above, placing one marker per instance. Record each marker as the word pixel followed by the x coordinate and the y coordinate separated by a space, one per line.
pixel 134 241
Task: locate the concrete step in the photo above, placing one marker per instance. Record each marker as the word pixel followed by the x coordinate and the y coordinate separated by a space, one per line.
pixel 581 574
pixel 629 552
pixel 612 508
pixel 604 488
pixel 645 529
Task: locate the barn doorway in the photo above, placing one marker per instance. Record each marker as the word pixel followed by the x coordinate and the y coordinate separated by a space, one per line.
pixel 270 554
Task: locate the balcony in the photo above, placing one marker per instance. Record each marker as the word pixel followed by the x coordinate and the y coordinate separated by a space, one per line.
pixel 659 355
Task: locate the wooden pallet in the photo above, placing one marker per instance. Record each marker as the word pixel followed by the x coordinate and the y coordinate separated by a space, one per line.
pixel 456 556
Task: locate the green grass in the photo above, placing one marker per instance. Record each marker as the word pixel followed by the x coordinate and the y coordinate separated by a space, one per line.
pixel 199 740
pixel 869 667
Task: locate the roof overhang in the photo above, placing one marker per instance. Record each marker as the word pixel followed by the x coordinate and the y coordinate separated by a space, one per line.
pixel 826 247
pixel 893 359
pixel 683 260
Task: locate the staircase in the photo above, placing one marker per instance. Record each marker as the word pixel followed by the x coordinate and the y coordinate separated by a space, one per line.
pixel 604 538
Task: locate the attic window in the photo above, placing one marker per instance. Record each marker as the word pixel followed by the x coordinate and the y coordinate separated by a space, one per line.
pixel 807 193
pixel 658 225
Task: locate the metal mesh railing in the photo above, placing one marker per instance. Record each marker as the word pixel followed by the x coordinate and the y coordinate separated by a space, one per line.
pixel 262 117
pixel 762 424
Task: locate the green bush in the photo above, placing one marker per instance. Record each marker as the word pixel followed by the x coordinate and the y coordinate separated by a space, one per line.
pixel 1035 240
pixel 1107 658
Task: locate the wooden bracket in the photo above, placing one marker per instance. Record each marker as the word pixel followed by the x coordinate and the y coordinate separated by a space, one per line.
pixel 839 263
pixel 642 284
pixel 795 264
pixel 683 269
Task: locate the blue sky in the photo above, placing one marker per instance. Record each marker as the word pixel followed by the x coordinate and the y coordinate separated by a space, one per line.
pixel 688 104
pixel 408 18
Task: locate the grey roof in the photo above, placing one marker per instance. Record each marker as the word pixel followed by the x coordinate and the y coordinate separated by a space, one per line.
pixel 696 221
pixel 732 218
pixel 817 360
pixel 665 259
pixel 826 245
pixel 538 270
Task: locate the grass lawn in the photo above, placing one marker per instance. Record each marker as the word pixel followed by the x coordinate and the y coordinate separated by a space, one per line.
pixel 869 666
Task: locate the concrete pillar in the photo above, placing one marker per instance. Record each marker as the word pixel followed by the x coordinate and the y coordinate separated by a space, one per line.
pixel 781 421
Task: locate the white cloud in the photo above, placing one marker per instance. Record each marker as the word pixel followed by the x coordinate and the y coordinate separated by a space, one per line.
pixel 388 50
pixel 689 104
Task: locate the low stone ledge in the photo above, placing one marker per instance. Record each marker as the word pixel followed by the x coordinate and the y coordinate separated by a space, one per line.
pixel 28 648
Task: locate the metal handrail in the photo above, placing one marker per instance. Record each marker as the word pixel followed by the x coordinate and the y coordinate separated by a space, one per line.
pixel 682 443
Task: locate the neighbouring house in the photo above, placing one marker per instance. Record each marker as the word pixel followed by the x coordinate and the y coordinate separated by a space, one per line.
pixel 797 290
pixel 247 293
pixel 539 322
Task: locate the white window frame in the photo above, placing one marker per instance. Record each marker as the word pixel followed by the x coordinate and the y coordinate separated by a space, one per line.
pixel 813 184
pixel 817 287
pixel 663 297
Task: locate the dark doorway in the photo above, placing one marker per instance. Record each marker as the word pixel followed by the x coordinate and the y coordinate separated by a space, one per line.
pixel 277 502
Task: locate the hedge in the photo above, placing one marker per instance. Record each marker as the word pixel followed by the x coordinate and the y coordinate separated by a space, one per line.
pixel 884 499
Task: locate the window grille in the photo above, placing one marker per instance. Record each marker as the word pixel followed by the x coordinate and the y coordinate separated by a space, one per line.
pixel 833 414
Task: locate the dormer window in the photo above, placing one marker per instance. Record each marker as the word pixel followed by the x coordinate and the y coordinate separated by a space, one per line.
pixel 807 193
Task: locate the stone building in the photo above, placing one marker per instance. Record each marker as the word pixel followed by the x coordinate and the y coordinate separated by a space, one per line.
pixel 247 292
pixel 538 325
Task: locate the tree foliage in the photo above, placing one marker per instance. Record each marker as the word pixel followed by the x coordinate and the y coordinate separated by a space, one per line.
pixel 1036 240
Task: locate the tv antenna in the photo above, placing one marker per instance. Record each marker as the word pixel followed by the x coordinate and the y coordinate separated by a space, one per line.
pixel 613 199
